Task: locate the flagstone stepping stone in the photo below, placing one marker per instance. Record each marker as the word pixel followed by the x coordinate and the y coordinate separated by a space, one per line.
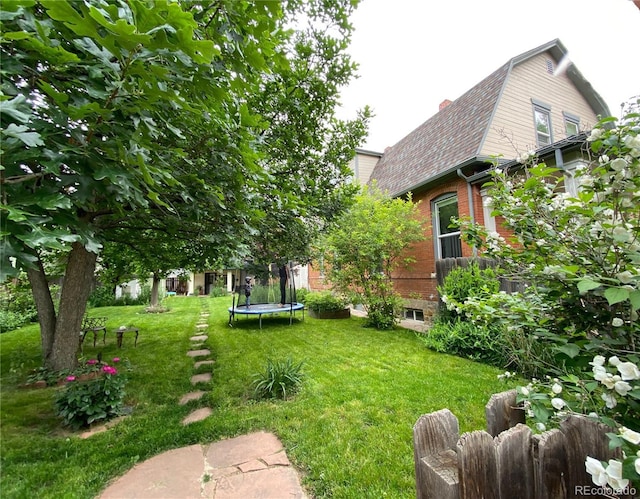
pixel 203 363
pixel 204 315
pixel 188 397
pixel 199 353
pixel 200 378
pixel 198 415
pixel 200 326
pixel 200 337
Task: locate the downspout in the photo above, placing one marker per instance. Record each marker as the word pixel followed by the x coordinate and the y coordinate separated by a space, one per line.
pixel 472 214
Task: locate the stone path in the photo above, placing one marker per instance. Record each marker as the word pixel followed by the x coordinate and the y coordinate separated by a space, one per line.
pixel 246 467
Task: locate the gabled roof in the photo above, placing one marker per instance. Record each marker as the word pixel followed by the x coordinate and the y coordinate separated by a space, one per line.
pixel 453 137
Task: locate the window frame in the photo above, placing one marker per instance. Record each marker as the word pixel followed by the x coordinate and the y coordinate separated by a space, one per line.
pixel 436 205
pixel 571 119
pixel 545 111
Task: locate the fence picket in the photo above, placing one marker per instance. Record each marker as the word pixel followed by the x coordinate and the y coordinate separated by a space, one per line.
pixel 478 468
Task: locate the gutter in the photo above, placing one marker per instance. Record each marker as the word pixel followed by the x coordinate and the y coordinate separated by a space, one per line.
pixel 435 178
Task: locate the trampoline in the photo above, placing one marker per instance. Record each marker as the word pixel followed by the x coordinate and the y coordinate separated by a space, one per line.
pixel 260 309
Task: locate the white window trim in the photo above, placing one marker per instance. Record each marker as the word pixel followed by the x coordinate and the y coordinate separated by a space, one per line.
pixel 573 119
pixel 487 208
pixel 545 109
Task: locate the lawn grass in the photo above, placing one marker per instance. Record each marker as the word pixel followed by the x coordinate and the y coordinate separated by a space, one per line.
pixel 349 429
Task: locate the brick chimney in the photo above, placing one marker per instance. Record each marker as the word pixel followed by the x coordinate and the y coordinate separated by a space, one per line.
pixel 444 104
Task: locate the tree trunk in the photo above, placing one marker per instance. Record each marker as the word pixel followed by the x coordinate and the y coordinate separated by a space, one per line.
pixel 61 335
pixel 44 306
pixel 155 286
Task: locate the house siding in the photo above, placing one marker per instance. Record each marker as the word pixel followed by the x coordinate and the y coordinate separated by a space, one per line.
pixel 512 128
pixel 363 164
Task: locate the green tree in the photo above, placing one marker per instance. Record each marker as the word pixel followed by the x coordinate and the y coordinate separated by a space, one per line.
pixel 131 121
pixel 368 244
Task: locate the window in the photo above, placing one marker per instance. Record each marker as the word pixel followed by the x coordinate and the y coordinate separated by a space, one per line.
pixel 571 124
pixel 542 123
pixel 414 314
pixel 447 239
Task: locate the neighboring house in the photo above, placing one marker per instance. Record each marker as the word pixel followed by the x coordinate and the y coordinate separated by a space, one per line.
pixel 363 164
pixel 536 101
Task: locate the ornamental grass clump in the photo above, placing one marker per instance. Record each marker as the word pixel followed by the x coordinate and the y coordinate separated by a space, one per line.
pixel 96 394
pixel 279 379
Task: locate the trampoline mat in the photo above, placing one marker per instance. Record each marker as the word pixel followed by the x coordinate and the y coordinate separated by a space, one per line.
pixel 265 308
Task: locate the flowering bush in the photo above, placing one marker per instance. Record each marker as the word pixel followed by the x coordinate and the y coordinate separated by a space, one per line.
pixel 609 396
pixel 579 252
pixel 92 394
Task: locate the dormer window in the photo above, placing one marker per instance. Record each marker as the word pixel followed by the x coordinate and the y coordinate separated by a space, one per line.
pixel 571 124
pixel 542 123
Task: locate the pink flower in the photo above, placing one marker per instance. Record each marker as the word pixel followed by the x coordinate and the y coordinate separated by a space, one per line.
pixel 71 378
pixel 91 362
pixel 109 370
pixel 116 359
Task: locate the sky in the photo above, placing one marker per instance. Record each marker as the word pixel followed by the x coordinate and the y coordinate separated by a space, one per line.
pixel 413 54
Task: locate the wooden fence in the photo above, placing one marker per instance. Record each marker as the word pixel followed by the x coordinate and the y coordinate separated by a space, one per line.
pixel 507 461
pixel 446 265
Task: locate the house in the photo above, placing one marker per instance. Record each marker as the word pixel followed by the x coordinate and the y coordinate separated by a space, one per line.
pixel 535 101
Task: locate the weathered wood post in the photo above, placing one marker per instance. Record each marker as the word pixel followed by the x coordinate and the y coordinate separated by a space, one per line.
pixel 513 459
pixel 502 412
pixel 435 437
pixel 478 470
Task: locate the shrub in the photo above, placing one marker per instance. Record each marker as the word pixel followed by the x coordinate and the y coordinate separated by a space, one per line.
pixel 12 320
pixel 216 291
pixel 17 306
pixel 466 339
pixel 383 313
pixel 278 379
pixel 324 301
pixel 104 296
pixel 85 401
pixel 465 282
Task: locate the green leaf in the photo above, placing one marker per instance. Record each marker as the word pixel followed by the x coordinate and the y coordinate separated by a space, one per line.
pixel 570 350
pixel 10 107
pixel 585 285
pixel 634 298
pixel 616 295
pixel 20 132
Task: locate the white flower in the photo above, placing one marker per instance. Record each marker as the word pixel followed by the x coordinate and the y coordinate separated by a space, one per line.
pixel 541 426
pixel 637 462
pixel 603 159
pixel 617 322
pixel 524 391
pixel 618 164
pixel 556 388
pixel 609 380
pixel 599 373
pixel 625 277
pixel 614 361
pixel 596 470
pixel 630 435
pixel 598 360
pixel 595 134
pixel 622 387
pixel 609 400
pixel 628 371
pixel 614 475
pixel 557 403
